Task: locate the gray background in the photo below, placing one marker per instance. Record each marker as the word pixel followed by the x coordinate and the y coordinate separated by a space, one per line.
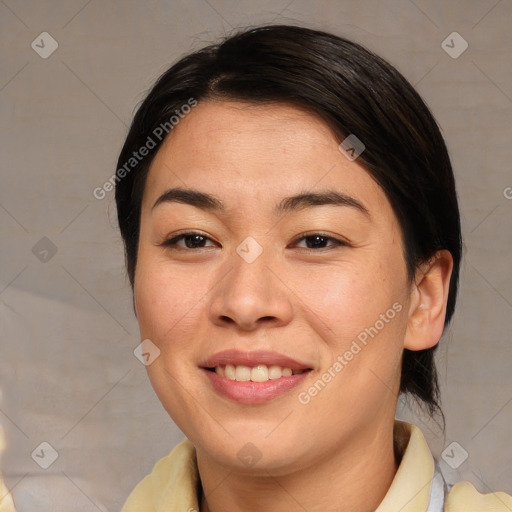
pixel 67 370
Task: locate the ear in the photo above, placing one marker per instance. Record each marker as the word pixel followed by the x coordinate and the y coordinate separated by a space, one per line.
pixel 429 296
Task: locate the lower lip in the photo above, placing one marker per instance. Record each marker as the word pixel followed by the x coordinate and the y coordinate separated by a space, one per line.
pixel 249 392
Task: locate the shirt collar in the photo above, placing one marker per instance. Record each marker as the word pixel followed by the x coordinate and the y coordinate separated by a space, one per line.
pixel 410 490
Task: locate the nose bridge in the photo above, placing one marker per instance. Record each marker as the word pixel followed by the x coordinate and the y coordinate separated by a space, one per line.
pixel 250 291
pixel 250 276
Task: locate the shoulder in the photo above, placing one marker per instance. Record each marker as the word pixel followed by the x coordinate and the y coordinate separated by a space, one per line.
pixel 464 497
pixel 172 472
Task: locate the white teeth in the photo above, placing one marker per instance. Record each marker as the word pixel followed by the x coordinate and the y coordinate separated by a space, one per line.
pixel 259 373
pixel 243 373
pixel 229 371
pixel 275 372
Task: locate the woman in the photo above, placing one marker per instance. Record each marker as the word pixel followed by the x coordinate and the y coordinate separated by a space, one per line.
pixel 293 241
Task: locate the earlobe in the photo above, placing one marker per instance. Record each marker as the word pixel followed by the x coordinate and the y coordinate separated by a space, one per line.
pixel 429 297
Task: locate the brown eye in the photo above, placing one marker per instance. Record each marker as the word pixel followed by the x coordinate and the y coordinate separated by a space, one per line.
pixel 191 240
pixel 319 241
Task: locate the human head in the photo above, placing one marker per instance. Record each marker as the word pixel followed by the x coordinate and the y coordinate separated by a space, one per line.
pixel 354 92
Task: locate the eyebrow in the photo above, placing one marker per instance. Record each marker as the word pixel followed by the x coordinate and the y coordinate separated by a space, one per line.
pixel 209 202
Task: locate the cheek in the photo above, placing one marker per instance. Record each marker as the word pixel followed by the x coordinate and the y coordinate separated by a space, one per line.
pixel 167 308
pixel 172 301
pixel 162 297
pixel 164 308
pixel 348 298
pixel 362 311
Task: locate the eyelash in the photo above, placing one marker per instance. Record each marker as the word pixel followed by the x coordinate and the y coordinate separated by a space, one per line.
pixel 171 242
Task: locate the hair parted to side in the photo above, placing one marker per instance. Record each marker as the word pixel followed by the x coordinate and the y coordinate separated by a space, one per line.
pixel 355 92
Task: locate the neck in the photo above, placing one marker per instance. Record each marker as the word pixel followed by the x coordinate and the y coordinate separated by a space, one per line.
pixel 355 476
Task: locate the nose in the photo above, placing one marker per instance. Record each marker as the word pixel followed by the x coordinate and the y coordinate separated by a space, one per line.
pixel 251 295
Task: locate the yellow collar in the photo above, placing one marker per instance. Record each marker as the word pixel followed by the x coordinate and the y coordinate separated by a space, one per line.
pixel 174 482
pixel 410 489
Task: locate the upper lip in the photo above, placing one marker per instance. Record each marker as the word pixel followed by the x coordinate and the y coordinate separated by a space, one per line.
pixel 237 357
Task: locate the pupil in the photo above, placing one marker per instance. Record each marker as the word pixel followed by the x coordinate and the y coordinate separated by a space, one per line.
pixel 316 239
pixel 195 240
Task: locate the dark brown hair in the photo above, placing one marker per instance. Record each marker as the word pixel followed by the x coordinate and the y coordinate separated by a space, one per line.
pixel 355 92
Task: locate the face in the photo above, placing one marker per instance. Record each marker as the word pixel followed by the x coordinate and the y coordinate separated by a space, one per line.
pixel 250 283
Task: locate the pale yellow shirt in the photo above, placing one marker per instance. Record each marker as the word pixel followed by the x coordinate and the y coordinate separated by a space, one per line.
pixel 173 484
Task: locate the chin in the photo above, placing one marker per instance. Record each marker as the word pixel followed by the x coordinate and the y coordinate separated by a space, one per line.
pixel 252 451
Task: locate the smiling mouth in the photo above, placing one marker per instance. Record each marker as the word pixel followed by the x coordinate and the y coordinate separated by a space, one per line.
pixel 258 373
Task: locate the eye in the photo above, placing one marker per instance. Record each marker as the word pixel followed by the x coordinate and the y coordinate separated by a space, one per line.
pixel 191 239
pixel 317 240
pixel 196 240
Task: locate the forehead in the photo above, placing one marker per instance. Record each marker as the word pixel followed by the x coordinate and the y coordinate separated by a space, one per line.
pixel 252 153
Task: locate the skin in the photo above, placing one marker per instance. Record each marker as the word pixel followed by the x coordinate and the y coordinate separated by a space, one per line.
pixel 335 452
